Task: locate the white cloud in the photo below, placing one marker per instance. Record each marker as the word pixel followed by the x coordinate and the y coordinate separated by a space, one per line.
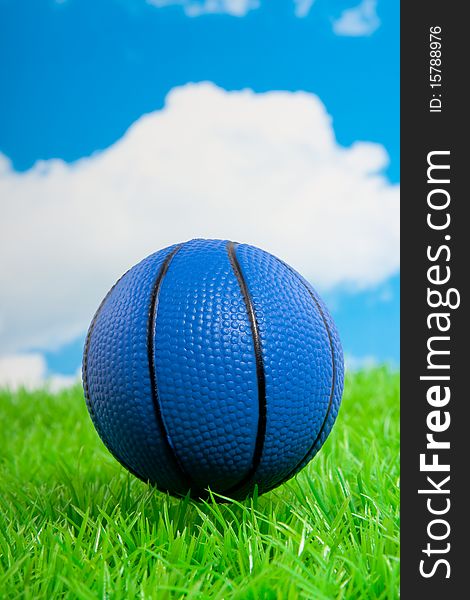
pixel 30 371
pixel 357 363
pixel 361 20
pixel 258 168
pixel 195 8
pixel 302 7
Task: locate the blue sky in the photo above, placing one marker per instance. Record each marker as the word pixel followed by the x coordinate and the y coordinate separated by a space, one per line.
pixel 78 74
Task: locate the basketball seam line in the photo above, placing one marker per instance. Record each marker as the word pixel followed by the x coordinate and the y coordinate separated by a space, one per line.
pixel 152 319
pixel 333 368
pixel 260 373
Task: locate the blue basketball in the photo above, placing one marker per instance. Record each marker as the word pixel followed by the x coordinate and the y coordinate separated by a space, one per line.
pixel 212 364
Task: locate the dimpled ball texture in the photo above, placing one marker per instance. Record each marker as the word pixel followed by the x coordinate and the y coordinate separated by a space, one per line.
pixel 212 364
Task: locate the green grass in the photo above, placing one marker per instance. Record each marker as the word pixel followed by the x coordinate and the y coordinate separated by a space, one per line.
pixel 74 524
